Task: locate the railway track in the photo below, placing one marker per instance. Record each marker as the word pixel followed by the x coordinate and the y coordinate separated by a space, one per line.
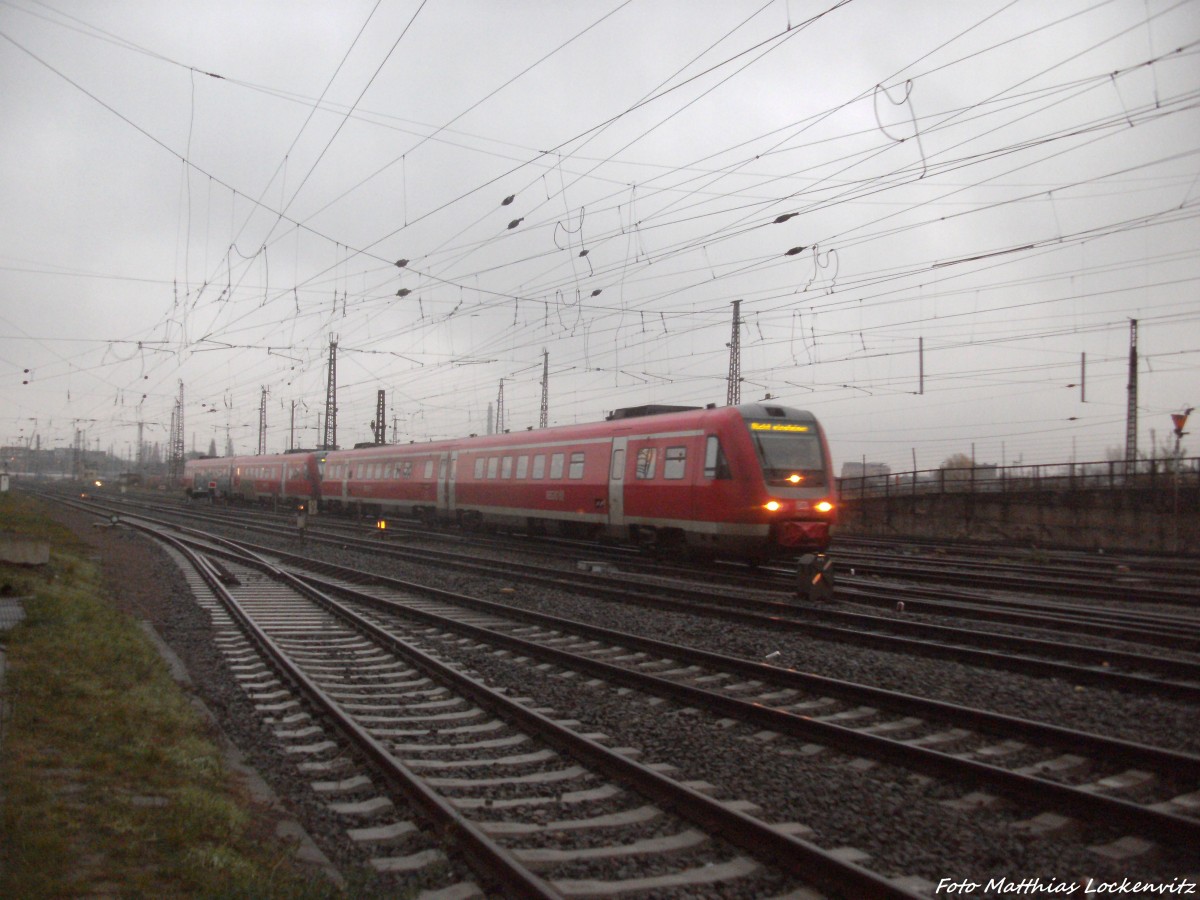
pixel 1042 652
pixel 849 740
pixel 402 727
pixel 1150 792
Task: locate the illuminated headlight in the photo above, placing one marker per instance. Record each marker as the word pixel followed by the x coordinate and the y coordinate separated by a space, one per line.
pixel 771 505
pixel 824 506
pixel 795 479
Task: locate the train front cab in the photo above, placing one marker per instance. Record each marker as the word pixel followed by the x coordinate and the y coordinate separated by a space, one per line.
pixel 793 458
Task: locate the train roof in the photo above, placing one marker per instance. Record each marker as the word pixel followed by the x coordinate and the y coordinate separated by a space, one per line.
pixel 636 412
pixel 635 420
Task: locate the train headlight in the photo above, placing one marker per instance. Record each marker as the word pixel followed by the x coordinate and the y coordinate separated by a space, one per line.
pixel 795 478
pixel 772 505
pixel 824 506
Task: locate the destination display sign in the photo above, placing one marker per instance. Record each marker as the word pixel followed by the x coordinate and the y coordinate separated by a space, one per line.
pixel 779 426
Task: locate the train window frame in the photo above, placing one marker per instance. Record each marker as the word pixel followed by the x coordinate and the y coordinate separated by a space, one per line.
pixel 406 469
pixel 479 463
pixel 575 466
pixel 506 467
pixel 539 466
pixel 618 464
pixel 523 466
pixel 493 466
pixel 716 465
pixel 644 466
pixel 675 463
pixel 556 465
pixel 428 469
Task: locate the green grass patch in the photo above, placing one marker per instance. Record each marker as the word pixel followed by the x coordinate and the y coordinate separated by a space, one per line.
pixel 111 783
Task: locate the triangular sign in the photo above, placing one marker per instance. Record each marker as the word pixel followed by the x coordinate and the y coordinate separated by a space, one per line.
pixel 1180 419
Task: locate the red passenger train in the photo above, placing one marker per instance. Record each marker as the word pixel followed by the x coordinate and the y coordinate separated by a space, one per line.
pixel 752 481
pixel 288 478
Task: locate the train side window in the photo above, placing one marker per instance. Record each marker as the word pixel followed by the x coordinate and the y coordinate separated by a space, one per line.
pixel 645 463
pixel 715 464
pixel 556 465
pixel 675 462
pixel 539 466
pixel 428 469
pixel 479 468
pixel 522 466
pixel 618 465
pixel 493 465
pixel 506 467
pixel 576 469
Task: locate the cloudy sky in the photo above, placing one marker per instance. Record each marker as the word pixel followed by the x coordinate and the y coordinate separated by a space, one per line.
pixel 939 217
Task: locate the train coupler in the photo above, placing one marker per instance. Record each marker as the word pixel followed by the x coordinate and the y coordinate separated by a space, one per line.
pixel 814 577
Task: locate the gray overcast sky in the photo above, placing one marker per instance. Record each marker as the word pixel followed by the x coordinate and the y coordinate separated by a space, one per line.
pixel 207 191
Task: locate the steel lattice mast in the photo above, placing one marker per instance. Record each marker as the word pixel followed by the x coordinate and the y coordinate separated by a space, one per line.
pixel 380 423
pixel 330 440
pixel 175 457
pixel 500 409
pixel 544 415
pixel 1132 391
pixel 262 423
pixel 733 394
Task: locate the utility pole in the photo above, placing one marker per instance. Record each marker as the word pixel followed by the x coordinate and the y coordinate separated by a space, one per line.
pixel 544 415
pixel 733 391
pixel 500 409
pixel 330 441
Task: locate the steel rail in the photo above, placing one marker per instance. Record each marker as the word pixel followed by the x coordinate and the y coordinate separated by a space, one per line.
pixel 1163 825
pixel 1095 662
pixel 499 865
pixel 755 837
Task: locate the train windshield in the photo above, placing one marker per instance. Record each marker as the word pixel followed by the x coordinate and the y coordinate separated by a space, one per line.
pixel 790 453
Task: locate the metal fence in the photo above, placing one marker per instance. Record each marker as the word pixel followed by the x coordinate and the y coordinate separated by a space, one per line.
pixel 1167 474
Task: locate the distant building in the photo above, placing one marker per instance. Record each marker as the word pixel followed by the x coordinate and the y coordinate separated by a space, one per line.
pixel 865 470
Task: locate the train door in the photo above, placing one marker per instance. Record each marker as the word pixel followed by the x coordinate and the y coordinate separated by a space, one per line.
pixel 616 485
pixel 443 486
pixel 446 486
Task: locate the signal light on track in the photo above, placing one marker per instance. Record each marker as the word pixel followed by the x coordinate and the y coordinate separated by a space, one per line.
pixel 381 524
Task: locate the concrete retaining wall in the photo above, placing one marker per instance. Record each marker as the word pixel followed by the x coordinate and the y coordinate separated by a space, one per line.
pixel 1086 520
